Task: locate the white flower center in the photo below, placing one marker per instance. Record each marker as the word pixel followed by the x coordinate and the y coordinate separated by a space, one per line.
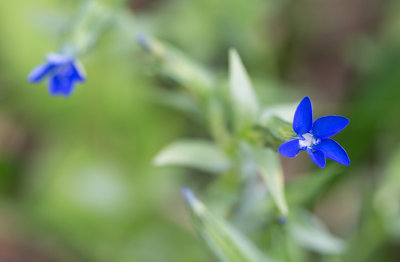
pixel 308 141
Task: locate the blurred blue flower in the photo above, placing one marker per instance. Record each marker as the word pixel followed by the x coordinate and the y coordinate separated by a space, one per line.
pixel 314 137
pixel 62 71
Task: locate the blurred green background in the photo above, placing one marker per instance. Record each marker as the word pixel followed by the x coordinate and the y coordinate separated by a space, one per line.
pixel 76 176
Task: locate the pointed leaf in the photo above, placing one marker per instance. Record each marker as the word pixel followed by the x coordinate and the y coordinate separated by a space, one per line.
pixel 197 154
pixel 244 100
pixel 309 232
pixel 176 66
pixel 387 198
pixel 227 243
pixel 283 111
pixel 271 172
pixel 274 131
pixel 316 183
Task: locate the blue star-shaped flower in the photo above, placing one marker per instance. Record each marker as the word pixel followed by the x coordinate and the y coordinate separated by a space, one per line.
pixel 63 73
pixel 314 137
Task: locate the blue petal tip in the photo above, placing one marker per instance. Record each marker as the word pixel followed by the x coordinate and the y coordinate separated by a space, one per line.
pixel 290 148
pixel 143 41
pixel 303 117
pixel 188 194
pixel 334 151
pixel 282 220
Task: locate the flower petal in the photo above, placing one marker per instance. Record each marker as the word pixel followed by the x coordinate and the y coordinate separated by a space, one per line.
pixel 290 148
pixel 78 71
pixel 58 59
pixel 302 122
pixel 317 157
pixel 59 85
pixel 334 151
pixel 328 126
pixel 39 72
pixel 67 91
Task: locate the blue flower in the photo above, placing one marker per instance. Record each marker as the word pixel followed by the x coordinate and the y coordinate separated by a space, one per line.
pixel 314 137
pixel 62 71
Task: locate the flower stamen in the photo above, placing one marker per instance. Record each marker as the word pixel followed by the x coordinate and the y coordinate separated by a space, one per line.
pixel 306 141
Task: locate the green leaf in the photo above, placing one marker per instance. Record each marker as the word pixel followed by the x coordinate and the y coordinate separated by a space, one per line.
pixel 199 154
pixel 244 100
pixel 177 67
pixel 273 131
pixel 283 111
pixel 271 172
pixel 317 183
pixel 217 121
pixel 90 24
pixel 309 232
pixel 227 243
pixel 181 102
pixel 387 197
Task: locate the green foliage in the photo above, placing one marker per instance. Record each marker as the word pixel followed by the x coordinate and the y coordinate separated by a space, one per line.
pixel 195 154
pixel 271 172
pixel 244 101
pixel 226 242
pixel 77 175
pixel 310 233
